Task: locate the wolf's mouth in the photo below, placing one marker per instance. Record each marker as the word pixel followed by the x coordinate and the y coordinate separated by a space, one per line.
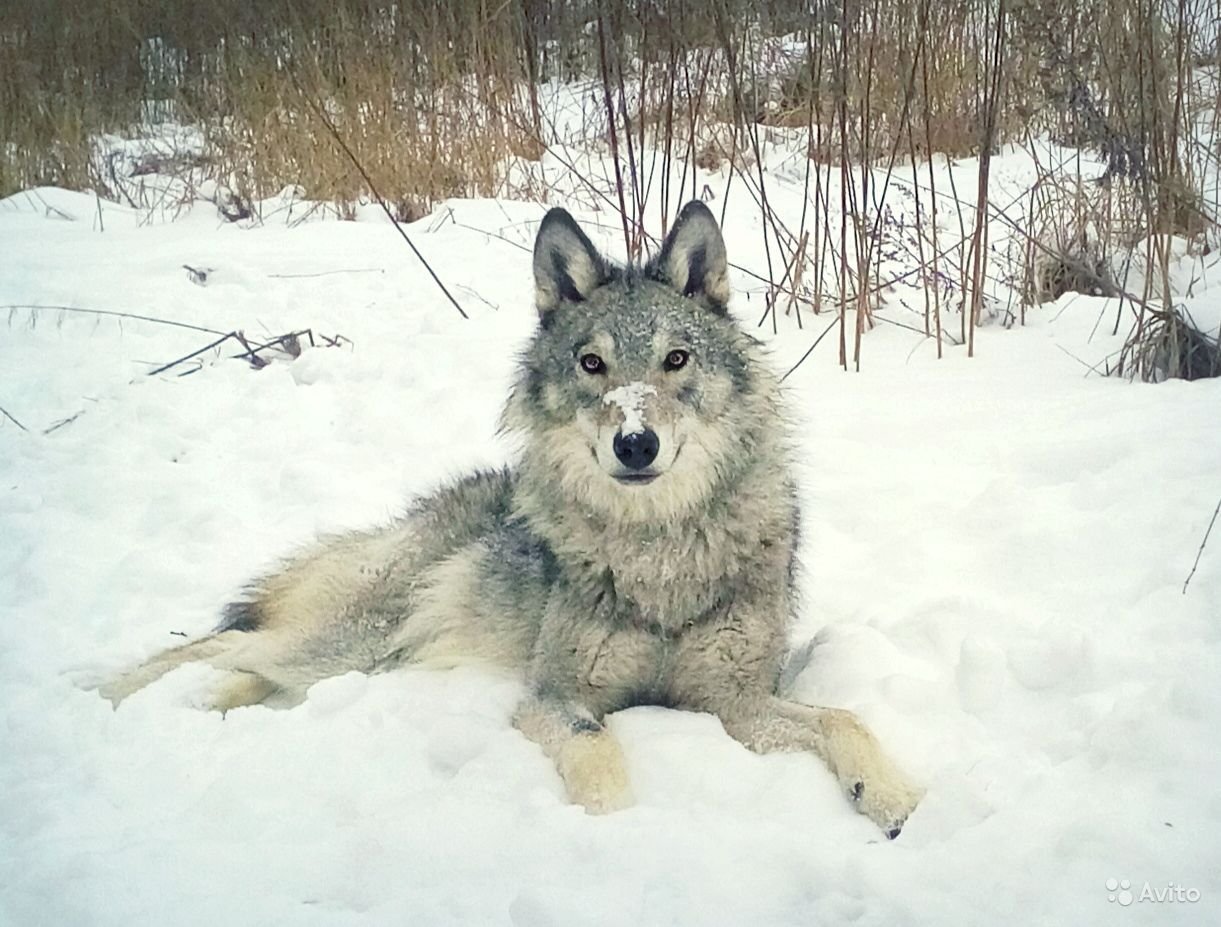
pixel 641 477
pixel 637 477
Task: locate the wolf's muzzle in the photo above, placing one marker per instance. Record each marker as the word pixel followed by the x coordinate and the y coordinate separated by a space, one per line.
pixel 636 451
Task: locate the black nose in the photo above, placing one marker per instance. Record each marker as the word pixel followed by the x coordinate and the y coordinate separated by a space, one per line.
pixel 637 451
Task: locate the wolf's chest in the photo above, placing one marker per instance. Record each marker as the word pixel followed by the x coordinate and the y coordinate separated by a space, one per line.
pixel 622 664
pixel 661 596
pixel 664 583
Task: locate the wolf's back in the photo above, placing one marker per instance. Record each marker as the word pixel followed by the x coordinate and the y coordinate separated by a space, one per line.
pixel 373 575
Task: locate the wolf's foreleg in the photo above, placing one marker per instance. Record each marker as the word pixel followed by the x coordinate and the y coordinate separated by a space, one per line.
pixel 850 751
pixel 586 754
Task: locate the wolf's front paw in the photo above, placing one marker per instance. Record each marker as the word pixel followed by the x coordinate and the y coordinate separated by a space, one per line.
pixel 887 800
pixel 594 774
pixel 872 782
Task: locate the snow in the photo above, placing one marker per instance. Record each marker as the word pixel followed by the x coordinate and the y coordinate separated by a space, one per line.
pixel 994 553
pixel 630 398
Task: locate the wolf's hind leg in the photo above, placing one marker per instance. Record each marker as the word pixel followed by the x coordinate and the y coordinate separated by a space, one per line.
pixel 851 752
pixel 586 754
pixel 207 649
pixel 240 689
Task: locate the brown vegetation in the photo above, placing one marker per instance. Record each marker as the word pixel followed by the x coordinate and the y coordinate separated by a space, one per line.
pixel 438 100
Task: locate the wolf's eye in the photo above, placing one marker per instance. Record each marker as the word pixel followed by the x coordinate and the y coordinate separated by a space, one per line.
pixel 676 360
pixel 592 363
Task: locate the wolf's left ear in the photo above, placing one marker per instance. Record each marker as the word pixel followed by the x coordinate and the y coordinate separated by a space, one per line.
pixel 567 267
pixel 693 260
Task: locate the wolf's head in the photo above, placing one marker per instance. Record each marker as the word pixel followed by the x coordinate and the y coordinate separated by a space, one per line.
pixel 638 395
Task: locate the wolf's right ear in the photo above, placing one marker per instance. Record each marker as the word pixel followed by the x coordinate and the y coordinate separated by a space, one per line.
pixel 692 258
pixel 567 267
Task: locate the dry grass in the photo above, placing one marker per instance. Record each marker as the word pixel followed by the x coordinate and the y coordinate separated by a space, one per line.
pixel 439 100
pixel 432 99
pixel 427 95
pixel 1167 344
pixel 1073 229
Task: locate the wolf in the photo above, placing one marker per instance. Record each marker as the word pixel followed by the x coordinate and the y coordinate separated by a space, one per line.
pixel 641 552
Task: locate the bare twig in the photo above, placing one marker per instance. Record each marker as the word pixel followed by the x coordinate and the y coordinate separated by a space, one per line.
pixel 611 128
pixel 6 414
pixel 198 275
pixel 1200 552
pixel 288 342
pixel 251 352
pixel 186 357
pixel 327 273
pixel 810 349
pixel 62 422
pixel 330 127
pixel 111 312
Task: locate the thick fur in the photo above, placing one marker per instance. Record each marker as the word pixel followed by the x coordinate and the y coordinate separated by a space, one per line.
pixel 607 586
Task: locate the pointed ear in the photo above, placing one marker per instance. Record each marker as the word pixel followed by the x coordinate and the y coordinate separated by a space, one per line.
pixel 567 267
pixel 693 260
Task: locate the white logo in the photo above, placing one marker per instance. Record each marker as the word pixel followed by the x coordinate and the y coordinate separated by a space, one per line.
pixel 1120 891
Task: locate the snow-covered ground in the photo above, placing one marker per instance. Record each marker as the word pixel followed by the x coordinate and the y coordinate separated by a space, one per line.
pixel 995 555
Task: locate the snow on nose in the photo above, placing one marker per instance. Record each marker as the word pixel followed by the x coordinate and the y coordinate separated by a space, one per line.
pixel 630 399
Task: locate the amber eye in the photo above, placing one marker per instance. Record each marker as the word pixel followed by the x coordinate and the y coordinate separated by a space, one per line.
pixel 592 363
pixel 676 360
